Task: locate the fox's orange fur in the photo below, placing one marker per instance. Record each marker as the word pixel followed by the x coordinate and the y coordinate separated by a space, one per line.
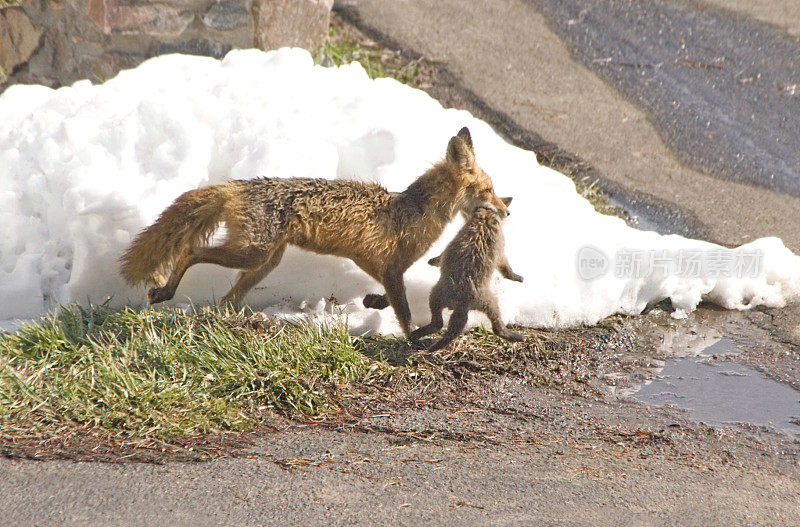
pixel 382 232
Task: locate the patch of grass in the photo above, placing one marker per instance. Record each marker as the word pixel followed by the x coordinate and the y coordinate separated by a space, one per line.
pixel 9 3
pixel 165 373
pixel 343 46
pixel 552 156
pixel 599 199
pixel 95 383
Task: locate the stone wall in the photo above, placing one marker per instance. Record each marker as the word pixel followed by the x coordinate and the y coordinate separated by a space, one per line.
pixel 56 42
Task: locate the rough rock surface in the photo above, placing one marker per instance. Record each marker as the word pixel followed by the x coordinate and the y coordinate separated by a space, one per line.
pixel 18 39
pixel 56 42
pixel 290 22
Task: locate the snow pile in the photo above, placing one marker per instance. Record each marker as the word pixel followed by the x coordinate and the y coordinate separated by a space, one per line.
pixel 84 168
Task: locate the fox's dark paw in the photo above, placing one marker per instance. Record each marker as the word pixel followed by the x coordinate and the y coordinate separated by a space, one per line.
pixel 438 345
pixel 435 261
pixel 512 336
pixel 375 301
pixel 417 334
pixel 159 294
pixel 516 278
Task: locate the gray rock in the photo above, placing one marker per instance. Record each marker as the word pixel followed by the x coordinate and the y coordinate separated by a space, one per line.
pixel 302 23
pixel 57 42
pixel 195 46
pixel 18 39
pixel 227 15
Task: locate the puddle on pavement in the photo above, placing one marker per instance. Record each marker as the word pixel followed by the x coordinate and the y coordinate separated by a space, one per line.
pixel 721 393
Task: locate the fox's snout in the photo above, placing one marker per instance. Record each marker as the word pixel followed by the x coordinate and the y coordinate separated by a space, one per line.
pixel 502 205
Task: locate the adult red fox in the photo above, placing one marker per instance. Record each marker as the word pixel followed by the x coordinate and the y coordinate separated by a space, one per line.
pixel 382 232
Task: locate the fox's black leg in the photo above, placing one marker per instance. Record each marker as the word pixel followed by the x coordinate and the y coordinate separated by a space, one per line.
pixel 376 301
pixel 224 255
pixel 250 278
pixel 396 293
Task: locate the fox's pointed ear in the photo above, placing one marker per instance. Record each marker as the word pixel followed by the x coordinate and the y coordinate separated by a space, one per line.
pixel 506 201
pixel 466 137
pixel 460 154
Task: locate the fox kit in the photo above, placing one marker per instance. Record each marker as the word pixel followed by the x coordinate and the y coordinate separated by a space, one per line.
pixel 467 264
pixel 382 232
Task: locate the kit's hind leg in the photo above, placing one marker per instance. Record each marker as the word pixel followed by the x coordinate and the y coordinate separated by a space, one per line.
pixel 436 322
pixel 489 306
pixel 455 326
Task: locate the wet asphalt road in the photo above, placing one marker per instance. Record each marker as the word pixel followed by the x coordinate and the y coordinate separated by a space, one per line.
pixel 511 65
pixel 722 90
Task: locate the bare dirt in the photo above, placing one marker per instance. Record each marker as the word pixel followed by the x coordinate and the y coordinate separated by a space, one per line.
pixel 536 433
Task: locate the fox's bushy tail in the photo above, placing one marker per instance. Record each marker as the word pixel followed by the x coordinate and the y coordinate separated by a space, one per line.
pixel 189 221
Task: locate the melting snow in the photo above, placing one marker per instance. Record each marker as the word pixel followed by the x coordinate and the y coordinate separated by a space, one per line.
pixel 84 168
